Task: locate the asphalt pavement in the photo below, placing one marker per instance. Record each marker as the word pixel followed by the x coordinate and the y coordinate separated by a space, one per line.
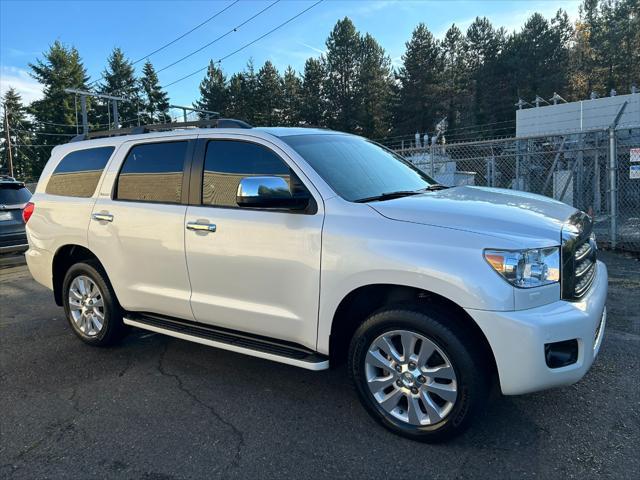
pixel 160 408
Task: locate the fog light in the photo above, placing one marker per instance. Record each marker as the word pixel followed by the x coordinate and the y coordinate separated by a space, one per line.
pixel 561 354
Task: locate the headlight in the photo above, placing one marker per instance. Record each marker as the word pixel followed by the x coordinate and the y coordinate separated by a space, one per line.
pixel 526 268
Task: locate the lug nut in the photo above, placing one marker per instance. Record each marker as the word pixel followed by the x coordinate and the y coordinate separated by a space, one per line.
pixel 399 383
pixel 414 390
pixel 422 379
pixel 412 365
pixel 398 368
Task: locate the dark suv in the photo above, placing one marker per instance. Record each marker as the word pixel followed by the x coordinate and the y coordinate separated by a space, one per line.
pixel 13 196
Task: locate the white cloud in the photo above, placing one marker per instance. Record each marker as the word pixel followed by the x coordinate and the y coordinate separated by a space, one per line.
pixel 20 80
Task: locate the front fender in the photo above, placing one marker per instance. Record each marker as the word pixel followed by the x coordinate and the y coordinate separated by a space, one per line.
pixel 358 252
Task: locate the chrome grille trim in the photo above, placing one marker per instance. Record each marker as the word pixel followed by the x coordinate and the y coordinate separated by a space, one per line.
pixel 578 257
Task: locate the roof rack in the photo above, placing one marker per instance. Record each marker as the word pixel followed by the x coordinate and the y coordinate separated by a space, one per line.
pixel 163 127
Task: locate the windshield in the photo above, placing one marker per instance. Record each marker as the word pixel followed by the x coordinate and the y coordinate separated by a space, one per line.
pixel 14 194
pixel 357 169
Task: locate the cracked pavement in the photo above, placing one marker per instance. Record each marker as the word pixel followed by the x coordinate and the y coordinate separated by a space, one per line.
pixel 160 408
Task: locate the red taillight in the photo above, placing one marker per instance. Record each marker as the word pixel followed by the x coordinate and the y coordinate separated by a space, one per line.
pixel 27 211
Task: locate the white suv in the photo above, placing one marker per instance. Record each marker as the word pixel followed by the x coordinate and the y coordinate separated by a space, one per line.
pixel 311 247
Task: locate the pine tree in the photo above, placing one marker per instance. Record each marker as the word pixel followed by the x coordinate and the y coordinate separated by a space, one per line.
pixel 236 106
pixel 20 136
pixel 291 98
pixel 420 83
pixel 119 80
pixel 373 89
pixel 250 92
pixel 489 83
pixel 312 108
pixel 214 95
pixel 154 102
pixel 268 95
pixel 55 112
pixel 455 78
pixel 341 70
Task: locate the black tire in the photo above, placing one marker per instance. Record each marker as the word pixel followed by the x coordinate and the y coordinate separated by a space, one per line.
pixel 113 329
pixel 468 361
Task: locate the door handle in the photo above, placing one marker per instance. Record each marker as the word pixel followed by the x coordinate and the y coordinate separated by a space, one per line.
pixel 201 227
pixel 102 217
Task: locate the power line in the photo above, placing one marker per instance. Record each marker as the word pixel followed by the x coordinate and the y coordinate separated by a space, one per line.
pixel 187 33
pixel 247 44
pixel 178 38
pixel 234 29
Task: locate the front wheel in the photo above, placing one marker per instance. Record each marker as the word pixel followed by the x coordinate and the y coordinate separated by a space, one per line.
pixel 418 374
pixel 91 306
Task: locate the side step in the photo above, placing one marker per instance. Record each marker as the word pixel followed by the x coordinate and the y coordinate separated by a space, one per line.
pixel 248 344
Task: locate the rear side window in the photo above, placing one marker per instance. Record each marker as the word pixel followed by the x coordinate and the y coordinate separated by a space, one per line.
pixel 152 172
pixel 78 173
pixel 13 194
pixel 227 162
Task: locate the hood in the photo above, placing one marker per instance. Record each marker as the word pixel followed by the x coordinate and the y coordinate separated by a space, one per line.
pixel 490 211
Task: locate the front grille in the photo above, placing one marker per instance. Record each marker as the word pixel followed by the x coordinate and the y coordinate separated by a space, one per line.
pixel 578 257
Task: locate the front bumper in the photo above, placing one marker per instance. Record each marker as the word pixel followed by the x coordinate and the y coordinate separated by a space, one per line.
pixel 517 338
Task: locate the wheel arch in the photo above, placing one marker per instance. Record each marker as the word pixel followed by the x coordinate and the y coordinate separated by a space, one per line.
pixel 361 302
pixel 64 258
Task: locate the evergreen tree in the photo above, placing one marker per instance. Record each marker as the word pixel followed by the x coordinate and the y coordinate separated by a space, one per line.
pixel 341 70
pixel 455 78
pixel 119 80
pixel 489 83
pixel 537 57
pixel 312 106
pixel 20 136
pixel 214 95
pixel 250 92
pixel 236 106
pixel 291 98
pixel 373 89
pixel 60 68
pixel 268 95
pixel 420 83
pixel 154 102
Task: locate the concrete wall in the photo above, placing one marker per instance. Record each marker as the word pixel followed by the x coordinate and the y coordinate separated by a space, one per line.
pixel 577 116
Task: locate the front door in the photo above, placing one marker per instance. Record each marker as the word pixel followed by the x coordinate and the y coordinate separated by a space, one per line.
pixel 252 270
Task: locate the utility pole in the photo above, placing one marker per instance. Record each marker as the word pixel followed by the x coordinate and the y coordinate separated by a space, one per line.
pixel 83 103
pixel 8 139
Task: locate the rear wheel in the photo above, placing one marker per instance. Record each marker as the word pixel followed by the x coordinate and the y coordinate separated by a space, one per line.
pixel 91 306
pixel 417 374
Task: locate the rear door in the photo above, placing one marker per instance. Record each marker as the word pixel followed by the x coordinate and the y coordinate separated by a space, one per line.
pixel 259 271
pixel 137 227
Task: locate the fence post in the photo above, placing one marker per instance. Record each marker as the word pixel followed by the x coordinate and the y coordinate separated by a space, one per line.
pixel 613 184
pixel 432 152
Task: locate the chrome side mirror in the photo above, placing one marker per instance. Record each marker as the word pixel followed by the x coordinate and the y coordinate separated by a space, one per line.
pixel 267 192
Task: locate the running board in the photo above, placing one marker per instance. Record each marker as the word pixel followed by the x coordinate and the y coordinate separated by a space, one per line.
pixel 240 342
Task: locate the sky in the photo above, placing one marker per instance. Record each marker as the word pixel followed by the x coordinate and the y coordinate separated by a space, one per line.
pixel 28 27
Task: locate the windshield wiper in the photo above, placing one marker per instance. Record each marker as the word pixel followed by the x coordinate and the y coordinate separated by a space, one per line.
pixel 389 196
pixel 400 193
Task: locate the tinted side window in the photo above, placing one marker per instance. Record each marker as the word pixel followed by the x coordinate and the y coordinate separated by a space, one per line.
pixel 227 162
pixel 152 172
pixel 78 173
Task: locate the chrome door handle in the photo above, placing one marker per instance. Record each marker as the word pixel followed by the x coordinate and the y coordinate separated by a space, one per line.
pixel 102 217
pixel 201 227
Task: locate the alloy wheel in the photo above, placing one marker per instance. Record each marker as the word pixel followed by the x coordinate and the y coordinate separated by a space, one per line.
pixel 411 378
pixel 86 305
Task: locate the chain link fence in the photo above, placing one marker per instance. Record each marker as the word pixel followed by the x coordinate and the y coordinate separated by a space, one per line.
pixel 594 171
